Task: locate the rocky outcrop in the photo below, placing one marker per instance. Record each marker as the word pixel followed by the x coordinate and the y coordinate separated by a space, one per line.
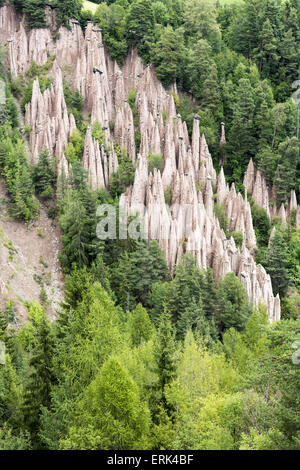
pixel 47 117
pixel 100 164
pixel 255 184
pixel 189 223
pixel 223 137
pixel 9 21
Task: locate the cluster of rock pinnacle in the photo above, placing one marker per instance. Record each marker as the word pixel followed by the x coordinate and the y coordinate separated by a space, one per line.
pixel 187 223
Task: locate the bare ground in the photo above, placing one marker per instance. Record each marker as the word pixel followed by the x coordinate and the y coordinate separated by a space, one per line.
pixel 28 261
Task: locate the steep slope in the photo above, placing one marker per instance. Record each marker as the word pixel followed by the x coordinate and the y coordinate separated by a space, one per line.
pixel 189 225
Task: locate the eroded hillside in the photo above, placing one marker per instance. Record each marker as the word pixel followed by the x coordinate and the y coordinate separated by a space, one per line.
pixel 188 222
pixel 29 263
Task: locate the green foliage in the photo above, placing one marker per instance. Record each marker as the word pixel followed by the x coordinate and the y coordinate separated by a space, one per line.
pixel 22 85
pixel 160 12
pixel 233 307
pixel 219 211
pixel 105 378
pixel 278 373
pixel 9 112
pixel 168 55
pixel 140 326
pixel 165 356
pixel 112 20
pixel 277 263
pixel 14 167
pixel 214 373
pixel 238 238
pixel 132 103
pixel 290 306
pixel 74 149
pixel 241 137
pixel 11 395
pixel 66 10
pixel 200 61
pixel 204 384
pixel 131 100
pixel 200 18
pixel 140 25
pixel 124 421
pixel 74 102
pixel 155 162
pixel 190 298
pixel 37 393
pixel 136 272
pixel 168 195
pixel 3 58
pixel 26 97
pixel 9 441
pixel 287 169
pixel 35 13
pixel 123 177
pixel 193 319
pixel 78 223
pixel 44 175
pixel 97 132
pixel 262 224
pixel 87 337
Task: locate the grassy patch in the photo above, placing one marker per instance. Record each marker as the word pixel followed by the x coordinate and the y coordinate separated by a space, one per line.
pixel 89 6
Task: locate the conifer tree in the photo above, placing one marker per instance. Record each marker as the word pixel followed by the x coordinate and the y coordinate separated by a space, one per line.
pixel 277 263
pixel 101 273
pixel 140 25
pixel 88 199
pixel 43 175
pixel 165 356
pixel 168 55
pixel 209 295
pixel 200 61
pixel 35 13
pixel 233 306
pixel 210 91
pixel 37 392
pixel 264 102
pixel 24 204
pixel 187 285
pixel 287 170
pixel 75 238
pixel 267 53
pixel 3 326
pixel 289 55
pixel 192 318
pixel 136 272
pixel 10 395
pixel 62 186
pixel 111 414
pixel 200 19
pixel 76 287
pixel 140 326
pixel 242 141
pixel 68 9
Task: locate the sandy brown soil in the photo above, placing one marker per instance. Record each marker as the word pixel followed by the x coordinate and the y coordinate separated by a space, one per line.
pixel 28 261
